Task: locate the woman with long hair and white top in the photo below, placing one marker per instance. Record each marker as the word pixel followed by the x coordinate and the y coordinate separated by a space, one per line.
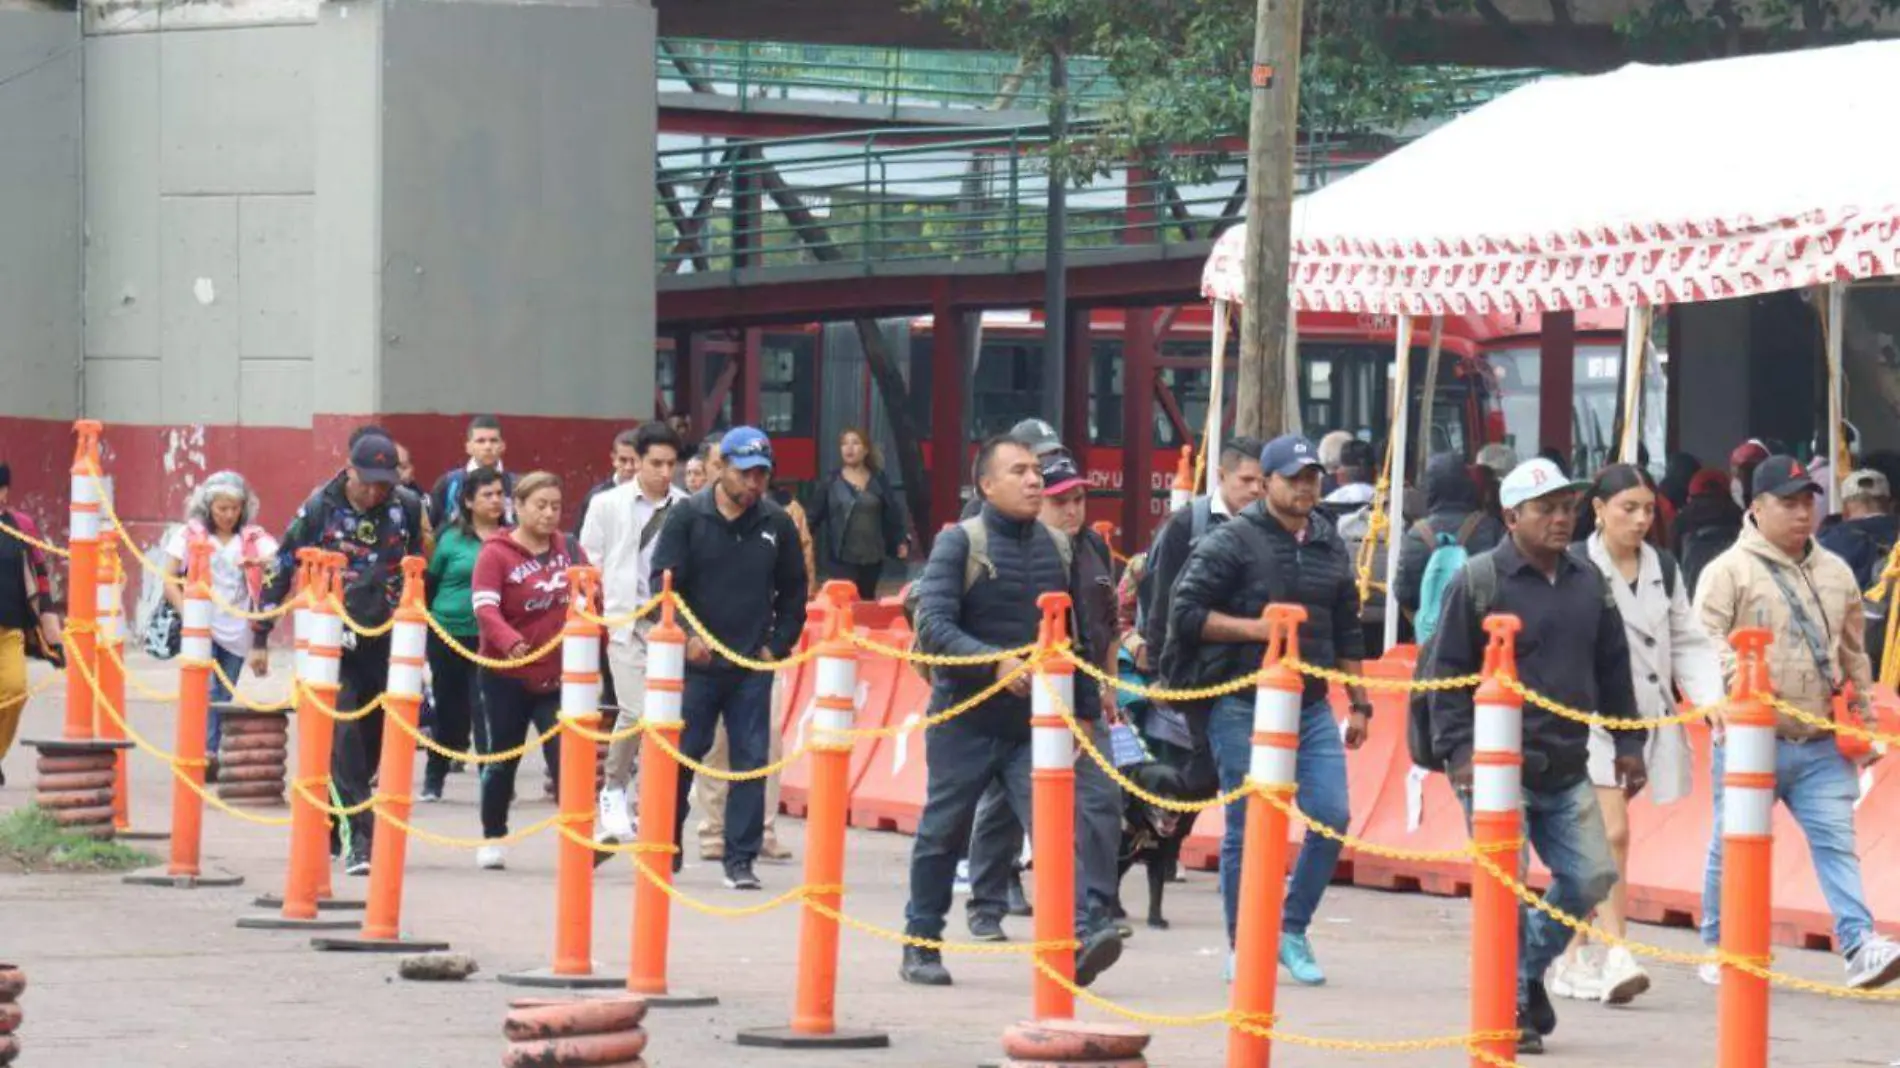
pixel 1669 652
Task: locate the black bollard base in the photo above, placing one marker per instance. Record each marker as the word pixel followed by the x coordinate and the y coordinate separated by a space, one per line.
pixel 273 922
pixel 208 879
pixel 346 944
pixel 786 1038
pixel 324 904
pixel 546 979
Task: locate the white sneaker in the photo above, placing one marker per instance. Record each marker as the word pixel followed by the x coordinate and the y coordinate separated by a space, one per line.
pixel 614 822
pixel 1709 972
pixel 491 858
pixel 1622 978
pixel 1574 977
pixel 1875 964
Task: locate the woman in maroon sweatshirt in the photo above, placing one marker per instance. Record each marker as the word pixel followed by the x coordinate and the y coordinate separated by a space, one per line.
pixel 520 598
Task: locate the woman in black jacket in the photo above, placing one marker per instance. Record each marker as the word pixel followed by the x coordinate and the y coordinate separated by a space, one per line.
pixel 856 517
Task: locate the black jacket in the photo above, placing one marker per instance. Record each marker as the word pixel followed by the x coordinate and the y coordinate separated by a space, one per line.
pixel 1096 599
pixel 744 578
pixel 1451 495
pixel 1166 558
pixel 998 612
pixel 444 503
pixel 1572 649
pixel 830 513
pixel 1864 543
pixel 373 544
pixel 1242 566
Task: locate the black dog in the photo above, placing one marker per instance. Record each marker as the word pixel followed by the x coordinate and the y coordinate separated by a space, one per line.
pixel 1152 835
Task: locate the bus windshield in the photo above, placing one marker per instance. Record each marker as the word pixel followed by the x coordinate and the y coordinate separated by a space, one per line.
pixel 1516 372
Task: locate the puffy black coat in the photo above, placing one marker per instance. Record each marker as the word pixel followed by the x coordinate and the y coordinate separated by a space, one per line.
pixel 998 612
pixel 1243 565
pixel 1451 494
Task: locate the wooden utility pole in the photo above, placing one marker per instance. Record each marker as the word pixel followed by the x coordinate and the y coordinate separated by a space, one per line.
pixel 1272 135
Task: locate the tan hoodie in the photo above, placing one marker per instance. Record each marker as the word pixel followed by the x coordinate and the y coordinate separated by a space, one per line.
pixel 1737 589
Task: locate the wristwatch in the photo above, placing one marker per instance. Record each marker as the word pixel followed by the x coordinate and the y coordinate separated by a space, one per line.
pixel 1363 708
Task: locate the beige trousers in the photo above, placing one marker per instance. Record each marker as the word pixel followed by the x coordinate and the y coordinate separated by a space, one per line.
pixel 709 794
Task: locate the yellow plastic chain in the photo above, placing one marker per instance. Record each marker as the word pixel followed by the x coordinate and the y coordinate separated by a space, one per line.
pixel 947 714
pixel 1114 773
pixel 361 631
pixel 694 766
pixel 616 622
pixel 282 704
pixel 172 761
pixel 451 842
pixel 719 647
pixel 797 893
pixel 609 737
pixel 612 848
pixel 306 694
pixel 975 949
pixel 1826 724
pixel 19 535
pixel 1161 693
pixel 402 724
pixel 1606 722
pixel 470 655
pixel 912 656
pixel 301 787
pixel 1455 682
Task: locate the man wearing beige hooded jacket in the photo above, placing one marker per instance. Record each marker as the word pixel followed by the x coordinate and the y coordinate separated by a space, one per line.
pixel 1776 576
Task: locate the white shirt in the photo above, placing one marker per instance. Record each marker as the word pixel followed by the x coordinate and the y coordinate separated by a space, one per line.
pixel 228 582
pixel 611 539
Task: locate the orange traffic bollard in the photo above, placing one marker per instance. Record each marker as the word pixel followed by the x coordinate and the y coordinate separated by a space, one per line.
pixel 659 808
pixel 185 870
pixel 307 875
pixel 1052 811
pixel 814 1012
pixel 1263 859
pixel 1497 830
pixel 1748 844
pixel 1181 494
pixel 389 847
pixel 82 582
pixel 110 647
pixel 574 967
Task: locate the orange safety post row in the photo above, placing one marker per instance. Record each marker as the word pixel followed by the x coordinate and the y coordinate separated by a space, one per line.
pixel 82 582
pixel 814 1014
pixel 1182 491
pixel 110 646
pixel 1497 827
pixel 1263 863
pixel 307 872
pixel 659 811
pixel 1748 803
pixel 389 847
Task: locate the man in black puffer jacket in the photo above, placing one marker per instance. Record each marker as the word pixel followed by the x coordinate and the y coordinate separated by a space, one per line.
pixel 1278 550
pixel 965 610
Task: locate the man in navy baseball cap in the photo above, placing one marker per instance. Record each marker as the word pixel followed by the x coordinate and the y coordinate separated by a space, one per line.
pixel 1288 455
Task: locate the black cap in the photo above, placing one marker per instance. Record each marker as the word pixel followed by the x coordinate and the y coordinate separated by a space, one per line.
pixel 1783 476
pixel 1039 436
pixel 374 459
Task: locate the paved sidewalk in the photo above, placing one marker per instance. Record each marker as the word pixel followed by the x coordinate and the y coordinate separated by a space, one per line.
pixel 122 975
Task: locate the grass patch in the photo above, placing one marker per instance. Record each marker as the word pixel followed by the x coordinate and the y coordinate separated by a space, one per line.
pixel 32 841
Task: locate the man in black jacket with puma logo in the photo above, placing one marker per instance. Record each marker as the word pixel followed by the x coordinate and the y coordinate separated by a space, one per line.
pixel 982 610
pixel 1277 550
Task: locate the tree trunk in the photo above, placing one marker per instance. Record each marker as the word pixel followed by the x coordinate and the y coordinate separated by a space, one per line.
pixel 1271 135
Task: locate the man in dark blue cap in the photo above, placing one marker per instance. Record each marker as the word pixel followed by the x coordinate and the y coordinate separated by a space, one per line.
pixel 1278 550
pixel 737 563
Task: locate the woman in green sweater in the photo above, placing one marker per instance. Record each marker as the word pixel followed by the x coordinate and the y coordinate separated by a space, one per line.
pixel 479 512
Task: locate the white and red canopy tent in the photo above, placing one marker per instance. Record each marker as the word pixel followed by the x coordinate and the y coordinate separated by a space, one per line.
pixel 1644 186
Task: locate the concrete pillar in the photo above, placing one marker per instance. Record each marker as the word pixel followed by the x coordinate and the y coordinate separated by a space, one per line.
pixel 41 242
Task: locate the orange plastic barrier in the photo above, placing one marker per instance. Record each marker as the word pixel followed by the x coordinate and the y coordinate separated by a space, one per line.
pixel 890 789
pixel 877 685
pixel 799 684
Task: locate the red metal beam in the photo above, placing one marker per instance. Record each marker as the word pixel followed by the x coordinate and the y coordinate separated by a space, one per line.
pixel 1557 381
pixel 1076 395
pixel 947 387
pixel 748 411
pixel 1138 454
pixel 689 370
pixel 715 400
pixel 1172 409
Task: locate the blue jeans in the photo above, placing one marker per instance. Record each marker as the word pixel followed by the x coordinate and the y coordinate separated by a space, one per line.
pixel 1565 826
pixel 232 664
pixel 1320 780
pixel 744 700
pixel 1819 787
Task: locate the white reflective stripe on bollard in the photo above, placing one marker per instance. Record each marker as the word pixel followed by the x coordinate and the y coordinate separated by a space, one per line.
pixel 1748 809
pixel 1052 747
pixel 194 642
pixel 1497 787
pixel 408 645
pixel 1275 712
pixel 83 523
pixel 580 675
pixel 835 710
pixel 300 630
pixel 666 661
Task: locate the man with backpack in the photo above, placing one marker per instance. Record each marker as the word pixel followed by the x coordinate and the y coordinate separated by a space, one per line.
pixel 977 597
pixel 1240 484
pixel 1454 528
pixel 1277 550
pixel 1707 525
pixel 1867 530
pixel 360 514
pixel 1777 577
pixel 485 447
pixel 1573 650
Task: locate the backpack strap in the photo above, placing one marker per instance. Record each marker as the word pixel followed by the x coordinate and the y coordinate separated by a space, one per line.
pixel 1065 548
pixel 976 561
pixel 1466 528
pixel 1481 585
pixel 1200 517
pixel 1422 529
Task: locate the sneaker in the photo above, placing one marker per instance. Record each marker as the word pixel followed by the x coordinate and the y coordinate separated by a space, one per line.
pixel 614 823
pixel 1018 901
pixel 1098 953
pixel 1875 964
pixel 740 877
pixel 1709 972
pixel 1622 978
pixel 1296 956
pixel 1574 976
pixel 432 792
pixel 923 967
pixel 773 853
pixel 491 858
pixel 1528 1040
pixel 712 851
pixel 358 863
pixel 986 928
pixel 1536 1008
